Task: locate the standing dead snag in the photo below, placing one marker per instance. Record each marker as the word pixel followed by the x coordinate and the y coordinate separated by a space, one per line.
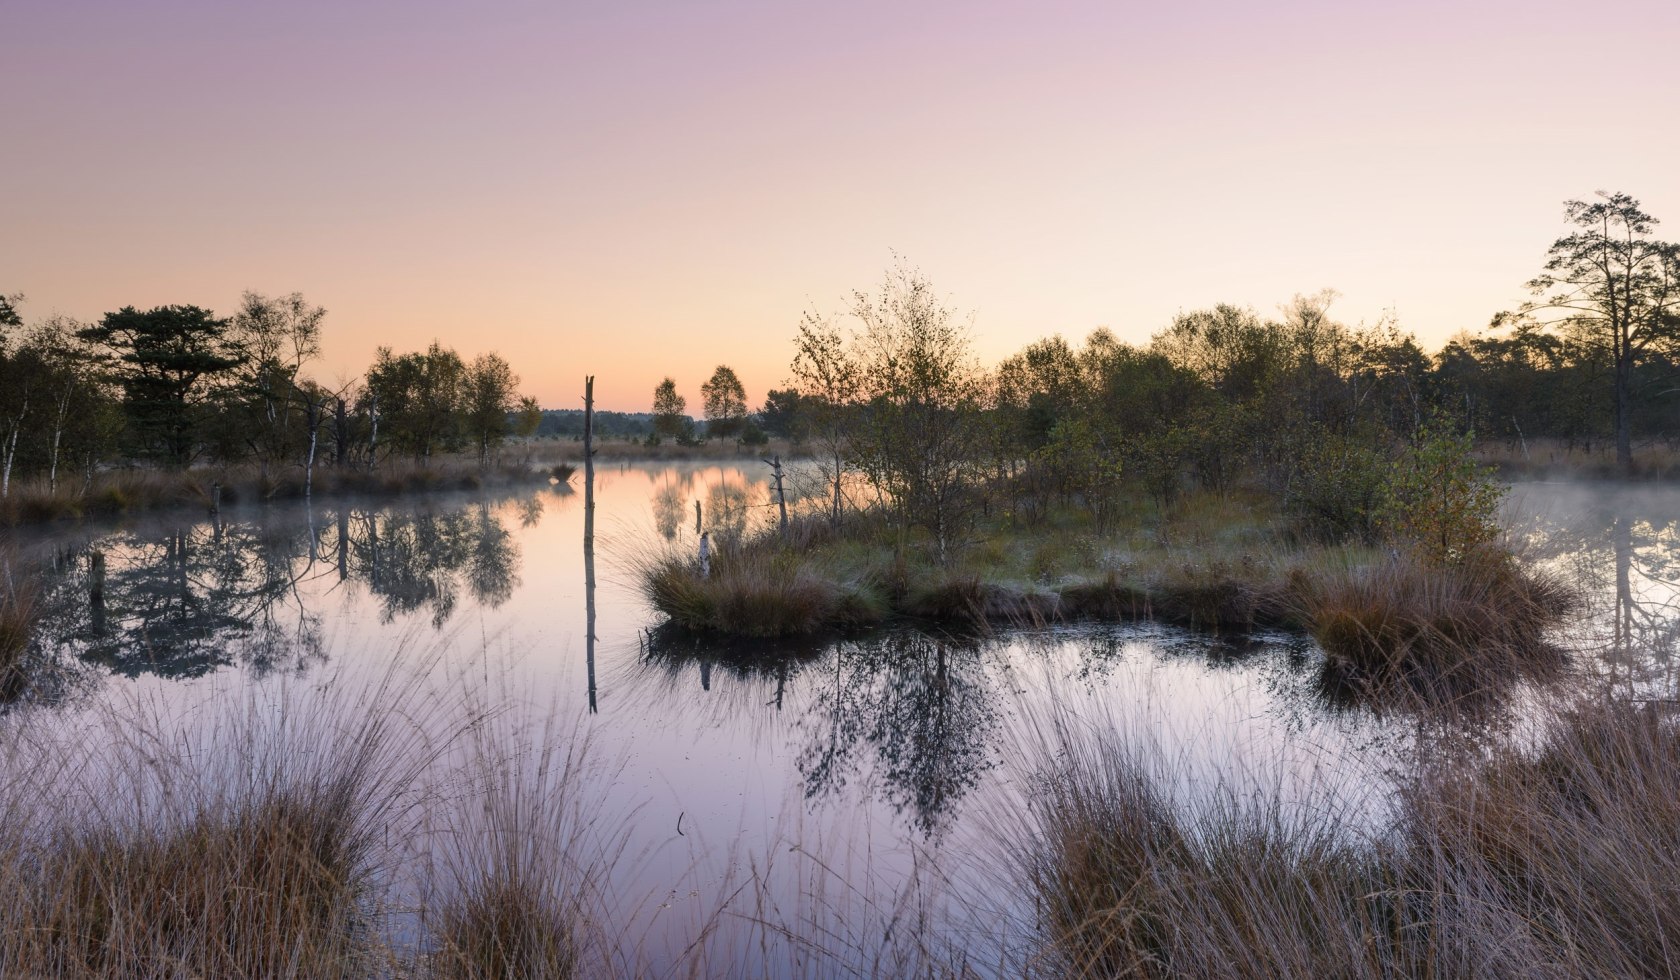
pixel 589 530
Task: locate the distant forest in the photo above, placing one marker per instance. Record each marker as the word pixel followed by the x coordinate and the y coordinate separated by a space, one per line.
pixel 567 423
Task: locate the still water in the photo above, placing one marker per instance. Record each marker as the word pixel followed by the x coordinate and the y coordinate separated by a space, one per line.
pixel 856 769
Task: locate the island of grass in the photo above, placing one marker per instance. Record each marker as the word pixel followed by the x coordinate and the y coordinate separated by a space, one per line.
pixel 1431 598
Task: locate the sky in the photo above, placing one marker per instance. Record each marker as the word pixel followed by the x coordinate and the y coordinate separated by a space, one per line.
pixel 635 189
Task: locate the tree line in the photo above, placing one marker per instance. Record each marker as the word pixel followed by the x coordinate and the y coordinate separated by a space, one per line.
pixel 177 385
pixel 1335 418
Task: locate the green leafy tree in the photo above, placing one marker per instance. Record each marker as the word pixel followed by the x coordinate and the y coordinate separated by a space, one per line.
pixel 1439 500
pixel 166 361
pixel 785 415
pixel 416 400
pixel 668 410
pixel 528 418
pixel 921 437
pixel 725 403
pixel 828 377
pixel 490 394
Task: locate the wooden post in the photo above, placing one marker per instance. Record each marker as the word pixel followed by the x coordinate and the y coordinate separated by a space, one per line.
pixel 775 464
pixel 697 517
pixel 705 554
pixel 96 589
pixel 343 543
pixel 589 531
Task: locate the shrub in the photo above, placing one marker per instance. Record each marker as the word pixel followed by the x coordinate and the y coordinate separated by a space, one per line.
pixel 1338 489
pixel 1439 500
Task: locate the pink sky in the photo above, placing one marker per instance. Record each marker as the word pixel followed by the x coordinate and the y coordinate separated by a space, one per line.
pixel 633 189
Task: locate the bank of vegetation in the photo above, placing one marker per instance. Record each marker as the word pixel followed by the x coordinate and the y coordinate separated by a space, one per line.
pixel 1234 472
pixel 163 407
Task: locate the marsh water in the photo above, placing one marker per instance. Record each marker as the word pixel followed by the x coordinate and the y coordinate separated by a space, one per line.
pixel 839 775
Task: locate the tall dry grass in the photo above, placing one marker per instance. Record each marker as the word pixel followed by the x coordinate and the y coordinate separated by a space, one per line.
pixel 1439 630
pixel 369 825
pixel 248 842
pixel 1559 862
pixel 515 881
pixel 19 615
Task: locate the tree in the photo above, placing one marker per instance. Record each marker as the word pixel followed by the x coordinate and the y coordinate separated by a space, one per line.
pixel 1616 285
pixel 785 415
pixel 827 377
pixel 920 438
pixel 725 403
pixel 79 415
pixel 276 337
pixel 668 408
pixel 491 394
pixel 415 400
pixel 52 403
pixel 528 418
pixel 164 359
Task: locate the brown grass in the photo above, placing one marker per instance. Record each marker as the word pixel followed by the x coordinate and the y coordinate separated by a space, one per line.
pixel 250 848
pixel 755 592
pixel 1563 863
pixel 1455 629
pixel 19 613
pixel 515 884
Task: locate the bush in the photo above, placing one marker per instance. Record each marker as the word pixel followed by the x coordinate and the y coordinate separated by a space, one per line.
pixel 1338 490
pixel 1439 500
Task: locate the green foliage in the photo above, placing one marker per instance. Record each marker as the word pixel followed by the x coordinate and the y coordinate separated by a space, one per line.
pixel 166 361
pixel 1156 457
pixel 417 400
pixel 1085 465
pixel 1439 500
pixel 725 402
pixel 1340 487
pixel 668 408
pixel 490 393
pixel 786 414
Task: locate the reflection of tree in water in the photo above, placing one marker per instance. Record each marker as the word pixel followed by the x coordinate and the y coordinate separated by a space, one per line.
pixel 422 561
pixel 668 512
pixel 1621 546
pixel 921 702
pixel 530 510
pixel 184 602
pixel 917 708
pixel 727 508
pixel 188 600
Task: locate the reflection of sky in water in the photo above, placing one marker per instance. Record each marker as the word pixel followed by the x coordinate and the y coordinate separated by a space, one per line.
pixel 877 756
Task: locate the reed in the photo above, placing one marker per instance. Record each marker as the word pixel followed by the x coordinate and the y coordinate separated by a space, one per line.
pixel 1474 625
pixel 19 614
pixel 1559 862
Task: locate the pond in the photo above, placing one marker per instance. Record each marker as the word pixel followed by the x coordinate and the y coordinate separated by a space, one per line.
pixel 850 779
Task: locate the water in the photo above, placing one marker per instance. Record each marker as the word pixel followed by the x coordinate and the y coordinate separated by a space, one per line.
pixel 842 774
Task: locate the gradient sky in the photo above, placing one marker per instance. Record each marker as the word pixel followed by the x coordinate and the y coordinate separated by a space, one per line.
pixel 636 189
